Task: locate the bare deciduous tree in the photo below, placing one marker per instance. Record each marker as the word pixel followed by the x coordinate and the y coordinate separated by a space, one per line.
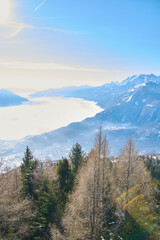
pixel 131 177
pixel 90 203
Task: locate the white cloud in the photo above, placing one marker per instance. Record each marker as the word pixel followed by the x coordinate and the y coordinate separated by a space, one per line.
pixel 10 28
pixel 48 66
pixel 14 28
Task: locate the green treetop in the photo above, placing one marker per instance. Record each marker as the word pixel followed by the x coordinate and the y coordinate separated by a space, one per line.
pixel 27 168
pixel 76 157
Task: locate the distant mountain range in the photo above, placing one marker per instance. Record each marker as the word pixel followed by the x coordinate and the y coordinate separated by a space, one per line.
pixel 131 108
pixel 8 98
pixel 63 92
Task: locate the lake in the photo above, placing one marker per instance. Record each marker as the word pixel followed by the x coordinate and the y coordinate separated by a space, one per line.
pixel 43 115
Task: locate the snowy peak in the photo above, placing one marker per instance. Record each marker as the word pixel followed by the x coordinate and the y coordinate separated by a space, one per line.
pixel 131 108
pixel 136 80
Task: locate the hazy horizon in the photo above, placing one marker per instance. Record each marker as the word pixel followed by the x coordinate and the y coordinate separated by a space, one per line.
pixel 58 43
pixel 54 44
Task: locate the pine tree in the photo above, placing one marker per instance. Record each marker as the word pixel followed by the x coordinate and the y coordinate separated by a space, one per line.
pixel 65 179
pixel 27 168
pixel 76 157
pixel 45 211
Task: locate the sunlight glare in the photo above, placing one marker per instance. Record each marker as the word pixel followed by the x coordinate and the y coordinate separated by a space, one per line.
pixel 4 11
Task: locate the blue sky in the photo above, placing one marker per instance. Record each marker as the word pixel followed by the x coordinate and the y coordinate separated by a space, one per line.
pixel 78 42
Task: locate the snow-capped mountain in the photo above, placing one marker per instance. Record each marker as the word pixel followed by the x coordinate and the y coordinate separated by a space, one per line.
pixel 8 98
pixel 131 108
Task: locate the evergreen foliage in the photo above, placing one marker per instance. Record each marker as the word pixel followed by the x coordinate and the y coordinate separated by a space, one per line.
pixel 45 211
pixel 65 179
pixel 27 168
pixel 76 157
pixel 112 199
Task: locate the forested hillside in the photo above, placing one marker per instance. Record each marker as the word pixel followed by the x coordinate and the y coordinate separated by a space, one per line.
pixel 84 197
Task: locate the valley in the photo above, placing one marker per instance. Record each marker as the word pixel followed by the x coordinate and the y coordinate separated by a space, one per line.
pixel 131 109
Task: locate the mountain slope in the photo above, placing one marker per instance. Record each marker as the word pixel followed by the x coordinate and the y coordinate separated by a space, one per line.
pixel 107 95
pixel 131 108
pixel 7 98
pixel 135 100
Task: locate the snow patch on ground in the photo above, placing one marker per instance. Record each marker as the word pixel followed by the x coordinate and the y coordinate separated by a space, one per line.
pixel 114 127
pixel 127 99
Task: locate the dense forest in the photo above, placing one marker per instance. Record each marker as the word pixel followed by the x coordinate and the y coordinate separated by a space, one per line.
pixel 82 197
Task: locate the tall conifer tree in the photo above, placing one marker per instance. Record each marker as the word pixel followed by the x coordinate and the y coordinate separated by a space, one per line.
pixel 45 211
pixel 27 168
pixel 65 179
pixel 76 157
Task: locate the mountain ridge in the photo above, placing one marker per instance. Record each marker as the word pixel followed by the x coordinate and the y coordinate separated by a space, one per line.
pixel 131 108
